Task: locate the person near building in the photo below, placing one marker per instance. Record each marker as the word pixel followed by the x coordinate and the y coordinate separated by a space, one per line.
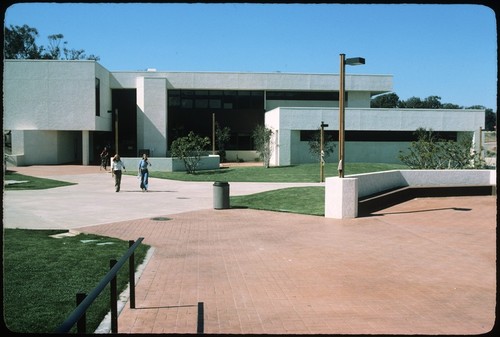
pixel 143 172
pixel 117 167
pixel 104 158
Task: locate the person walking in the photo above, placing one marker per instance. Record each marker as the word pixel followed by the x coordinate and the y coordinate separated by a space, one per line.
pixel 116 171
pixel 143 172
pixel 104 158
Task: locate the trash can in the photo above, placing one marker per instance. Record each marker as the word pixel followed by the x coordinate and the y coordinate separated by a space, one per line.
pixel 221 195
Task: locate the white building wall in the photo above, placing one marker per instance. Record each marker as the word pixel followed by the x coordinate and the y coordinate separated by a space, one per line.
pixel 36 153
pixel 152 115
pixel 286 120
pixel 104 121
pixel 256 81
pixel 49 95
pixel 358 99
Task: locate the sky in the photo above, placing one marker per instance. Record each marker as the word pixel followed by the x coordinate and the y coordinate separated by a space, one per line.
pixel 447 50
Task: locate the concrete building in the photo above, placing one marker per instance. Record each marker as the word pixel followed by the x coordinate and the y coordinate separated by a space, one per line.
pixel 65 111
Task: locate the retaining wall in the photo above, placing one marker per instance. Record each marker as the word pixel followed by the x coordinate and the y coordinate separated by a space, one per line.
pixel 369 184
pixel 169 164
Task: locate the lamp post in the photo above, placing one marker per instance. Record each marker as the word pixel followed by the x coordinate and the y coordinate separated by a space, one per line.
pixel 322 151
pixel 353 62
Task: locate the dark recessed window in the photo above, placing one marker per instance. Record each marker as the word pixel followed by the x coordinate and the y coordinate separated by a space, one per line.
pixel 97 97
pixel 302 95
pixel 377 136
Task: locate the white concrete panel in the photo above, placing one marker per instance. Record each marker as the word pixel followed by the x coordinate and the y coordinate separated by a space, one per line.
pixel 256 81
pixel 49 95
pixel 341 198
pixel 155 116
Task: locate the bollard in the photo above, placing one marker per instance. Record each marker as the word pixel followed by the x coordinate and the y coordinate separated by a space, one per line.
pixel 221 195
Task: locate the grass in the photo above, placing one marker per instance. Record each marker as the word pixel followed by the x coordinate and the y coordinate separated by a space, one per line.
pixel 32 183
pixel 304 200
pixel 293 173
pixel 43 274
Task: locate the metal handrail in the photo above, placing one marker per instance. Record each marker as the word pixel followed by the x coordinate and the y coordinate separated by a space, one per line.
pixel 84 305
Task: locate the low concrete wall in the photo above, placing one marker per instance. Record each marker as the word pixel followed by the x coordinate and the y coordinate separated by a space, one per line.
pixel 169 164
pixel 377 182
pixel 372 183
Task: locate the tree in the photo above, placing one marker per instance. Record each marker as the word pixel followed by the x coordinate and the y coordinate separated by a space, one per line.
pixel 315 145
pixel 20 43
pixel 190 149
pixel 432 102
pixel 222 135
pixel 430 152
pixel 262 141
pixel 490 123
pixel 390 100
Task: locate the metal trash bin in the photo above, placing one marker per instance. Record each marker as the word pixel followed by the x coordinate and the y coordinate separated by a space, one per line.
pixel 221 195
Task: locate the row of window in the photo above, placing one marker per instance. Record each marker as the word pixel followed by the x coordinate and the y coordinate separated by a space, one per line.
pixel 240 99
pixel 374 136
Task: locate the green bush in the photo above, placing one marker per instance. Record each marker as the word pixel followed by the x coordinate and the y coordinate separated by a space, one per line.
pixel 430 152
pixel 190 149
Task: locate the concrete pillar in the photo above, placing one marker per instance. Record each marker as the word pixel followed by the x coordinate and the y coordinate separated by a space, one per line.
pixel 85 147
pixel 341 197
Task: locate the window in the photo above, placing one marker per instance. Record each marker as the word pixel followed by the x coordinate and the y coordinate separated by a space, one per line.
pixel 193 110
pixel 302 95
pixel 376 136
pixel 97 97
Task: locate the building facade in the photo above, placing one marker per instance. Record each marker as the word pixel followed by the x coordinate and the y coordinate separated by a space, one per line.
pixel 66 111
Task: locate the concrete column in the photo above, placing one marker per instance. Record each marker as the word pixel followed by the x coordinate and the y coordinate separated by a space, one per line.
pixel 341 197
pixel 85 147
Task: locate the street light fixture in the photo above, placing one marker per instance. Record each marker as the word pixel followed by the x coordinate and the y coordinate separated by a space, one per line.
pixel 352 62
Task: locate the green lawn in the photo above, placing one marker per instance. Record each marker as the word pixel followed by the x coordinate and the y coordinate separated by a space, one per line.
pixel 42 275
pixel 303 200
pixel 293 173
pixel 31 183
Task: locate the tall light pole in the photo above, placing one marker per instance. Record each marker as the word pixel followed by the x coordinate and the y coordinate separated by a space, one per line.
pixel 353 62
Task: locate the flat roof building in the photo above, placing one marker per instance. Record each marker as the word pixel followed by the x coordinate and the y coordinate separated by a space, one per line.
pixel 60 111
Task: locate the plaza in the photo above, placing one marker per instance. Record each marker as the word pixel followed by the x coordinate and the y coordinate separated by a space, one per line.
pixel 426 266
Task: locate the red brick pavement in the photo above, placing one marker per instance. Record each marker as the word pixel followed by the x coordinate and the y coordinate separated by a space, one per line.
pixel 427 266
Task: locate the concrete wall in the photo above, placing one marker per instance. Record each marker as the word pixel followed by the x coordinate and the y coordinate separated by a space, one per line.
pixel 53 95
pixel 341 196
pixel 170 164
pixel 371 183
pixel 285 122
pixel 152 115
pixel 256 81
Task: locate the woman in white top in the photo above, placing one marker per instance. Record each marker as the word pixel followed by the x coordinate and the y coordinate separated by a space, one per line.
pixel 116 171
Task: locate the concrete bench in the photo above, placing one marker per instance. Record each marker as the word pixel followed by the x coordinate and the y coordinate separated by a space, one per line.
pixel 388 198
pixel 365 193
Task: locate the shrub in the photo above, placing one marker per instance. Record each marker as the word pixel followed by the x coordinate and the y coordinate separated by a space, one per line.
pixel 429 152
pixel 262 140
pixel 190 149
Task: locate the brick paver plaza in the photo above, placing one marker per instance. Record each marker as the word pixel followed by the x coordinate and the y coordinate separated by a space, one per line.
pixel 427 266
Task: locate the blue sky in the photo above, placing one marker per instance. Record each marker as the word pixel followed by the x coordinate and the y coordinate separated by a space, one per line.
pixel 444 50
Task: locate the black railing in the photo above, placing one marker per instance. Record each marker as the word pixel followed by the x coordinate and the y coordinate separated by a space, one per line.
pixel 84 302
